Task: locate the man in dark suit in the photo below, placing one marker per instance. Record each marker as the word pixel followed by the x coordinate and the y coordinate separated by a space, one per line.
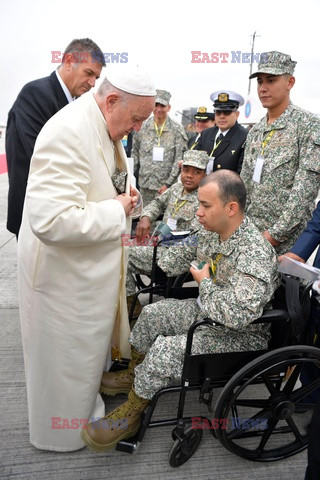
pixel 203 120
pixel 224 143
pixel 301 251
pixel 38 101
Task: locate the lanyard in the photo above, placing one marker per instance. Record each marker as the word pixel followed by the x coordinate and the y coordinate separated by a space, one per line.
pixel 267 140
pixel 159 133
pixel 195 142
pixel 213 265
pixel 177 207
pixel 215 146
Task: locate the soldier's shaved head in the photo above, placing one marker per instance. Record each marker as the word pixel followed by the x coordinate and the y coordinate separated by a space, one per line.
pixel 231 187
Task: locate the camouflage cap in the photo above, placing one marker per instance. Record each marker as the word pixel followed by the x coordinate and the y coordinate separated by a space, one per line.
pixel 196 158
pixel 163 97
pixel 275 63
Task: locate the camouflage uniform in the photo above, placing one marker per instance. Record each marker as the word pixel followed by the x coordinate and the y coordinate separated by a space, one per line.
pixel 140 257
pixel 153 174
pixel 283 201
pixel 245 279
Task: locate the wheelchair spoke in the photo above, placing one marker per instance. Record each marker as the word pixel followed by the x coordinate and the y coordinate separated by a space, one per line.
pixel 295 429
pixel 302 392
pixel 269 384
pixel 234 411
pixel 266 435
pixel 252 402
pixel 292 380
pixel 239 431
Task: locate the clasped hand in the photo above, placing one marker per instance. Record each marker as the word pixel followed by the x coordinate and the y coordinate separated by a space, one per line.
pixel 129 202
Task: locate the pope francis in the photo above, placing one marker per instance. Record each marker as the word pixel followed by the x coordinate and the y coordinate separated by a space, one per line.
pixel 71 260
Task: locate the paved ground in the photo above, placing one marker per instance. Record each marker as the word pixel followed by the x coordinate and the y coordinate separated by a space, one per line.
pixel 20 461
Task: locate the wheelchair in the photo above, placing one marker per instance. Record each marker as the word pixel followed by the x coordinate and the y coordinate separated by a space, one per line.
pixel 262 413
pixel 161 284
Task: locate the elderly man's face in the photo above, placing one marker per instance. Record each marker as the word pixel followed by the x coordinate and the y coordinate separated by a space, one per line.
pixel 123 117
pixel 81 77
pixel 225 119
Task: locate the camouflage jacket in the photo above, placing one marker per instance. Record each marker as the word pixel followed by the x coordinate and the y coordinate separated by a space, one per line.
pixel 244 279
pixel 283 201
pixel 175 204
pixel 153 174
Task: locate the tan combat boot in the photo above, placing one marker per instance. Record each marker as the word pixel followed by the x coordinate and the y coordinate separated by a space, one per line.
pixel 121 423
pixel 113 383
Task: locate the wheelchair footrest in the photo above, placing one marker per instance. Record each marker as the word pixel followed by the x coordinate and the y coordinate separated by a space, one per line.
pixel 126 446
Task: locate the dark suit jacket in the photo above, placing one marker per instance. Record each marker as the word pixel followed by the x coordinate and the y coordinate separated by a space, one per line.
pixel 38 101
pixel 229 153
pixel 192 139
pixel 309 239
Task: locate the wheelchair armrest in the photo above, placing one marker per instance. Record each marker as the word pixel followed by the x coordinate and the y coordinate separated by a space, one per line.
pixel 192 328
pixel 272 315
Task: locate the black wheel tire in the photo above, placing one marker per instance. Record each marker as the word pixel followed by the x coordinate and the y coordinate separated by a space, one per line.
pixel 182 450
pixel 258 392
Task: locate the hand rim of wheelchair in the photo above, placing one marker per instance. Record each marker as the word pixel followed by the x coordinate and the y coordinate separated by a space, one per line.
pixel 183 449
pixel 280 406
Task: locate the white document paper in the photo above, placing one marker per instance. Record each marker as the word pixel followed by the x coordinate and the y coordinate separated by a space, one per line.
pixel 298 269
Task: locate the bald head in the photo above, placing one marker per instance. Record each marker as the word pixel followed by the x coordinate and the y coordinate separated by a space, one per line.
pixel 230 185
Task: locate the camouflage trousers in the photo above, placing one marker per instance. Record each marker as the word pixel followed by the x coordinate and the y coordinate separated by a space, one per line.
pixel 148 195
pixel 139 261
pixel 161 333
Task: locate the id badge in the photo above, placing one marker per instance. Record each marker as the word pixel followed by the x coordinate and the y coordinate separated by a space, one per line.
pixel 258 169
pixel 172 223
pixel 158 154
pixel 209 168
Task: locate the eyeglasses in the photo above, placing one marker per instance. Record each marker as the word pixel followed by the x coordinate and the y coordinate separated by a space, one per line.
pixel 224 112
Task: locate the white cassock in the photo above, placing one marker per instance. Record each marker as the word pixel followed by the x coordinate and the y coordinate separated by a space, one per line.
pixel 71 272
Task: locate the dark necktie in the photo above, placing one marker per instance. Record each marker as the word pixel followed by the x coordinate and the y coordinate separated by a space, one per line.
pixel 220 138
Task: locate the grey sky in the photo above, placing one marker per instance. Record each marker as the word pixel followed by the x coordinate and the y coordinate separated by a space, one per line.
pixel 161 37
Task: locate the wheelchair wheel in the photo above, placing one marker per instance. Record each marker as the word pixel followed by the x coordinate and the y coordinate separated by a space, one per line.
pixel 182 450
pixel 263 411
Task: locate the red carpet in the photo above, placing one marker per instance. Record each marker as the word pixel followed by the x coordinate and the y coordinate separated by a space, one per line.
pixel 3 164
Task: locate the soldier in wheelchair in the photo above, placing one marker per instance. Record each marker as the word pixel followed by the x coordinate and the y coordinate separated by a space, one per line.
pixel 178 205
pixel 237 273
